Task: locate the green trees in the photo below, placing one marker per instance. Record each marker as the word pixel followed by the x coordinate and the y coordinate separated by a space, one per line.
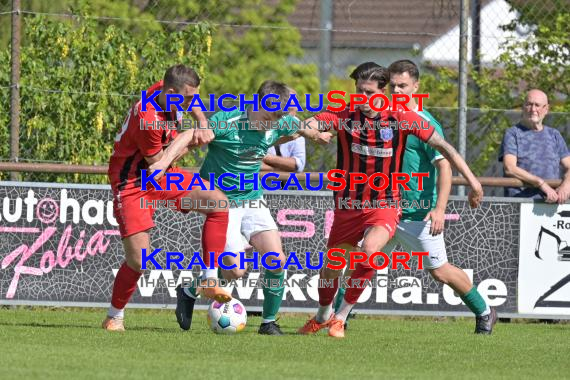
pixel 539 61
pixel 97 66
pixel 95 77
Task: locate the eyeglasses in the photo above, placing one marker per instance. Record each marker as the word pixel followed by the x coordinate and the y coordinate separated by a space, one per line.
pixel 536 105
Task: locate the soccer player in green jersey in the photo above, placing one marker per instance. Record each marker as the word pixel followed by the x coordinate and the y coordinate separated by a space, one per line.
pixel 421 229
pixel 238 143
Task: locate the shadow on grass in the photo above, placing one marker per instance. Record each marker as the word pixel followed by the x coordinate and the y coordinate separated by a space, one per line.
pixel 86 326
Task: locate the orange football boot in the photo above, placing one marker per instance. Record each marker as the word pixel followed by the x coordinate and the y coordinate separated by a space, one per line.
pixel 312 326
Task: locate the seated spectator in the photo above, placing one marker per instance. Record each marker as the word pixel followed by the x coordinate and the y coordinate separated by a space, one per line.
pixel 533 153
pixel 287 157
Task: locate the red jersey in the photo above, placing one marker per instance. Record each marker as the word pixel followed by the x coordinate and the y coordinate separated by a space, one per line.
pixel 133 144
pixel 369 146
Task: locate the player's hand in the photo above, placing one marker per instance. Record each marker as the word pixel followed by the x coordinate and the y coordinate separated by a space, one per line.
pixel 563 194
pixel 437 218
pixel 267 159
pixel 202 136
pixel 159 165
pixel 551 196
pixel 475 196
pixel 323 138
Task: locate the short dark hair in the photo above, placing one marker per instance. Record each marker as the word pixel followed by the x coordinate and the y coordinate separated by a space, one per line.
pixel 178 76
pixel 277 88
pixel 371 71
pixel 405 66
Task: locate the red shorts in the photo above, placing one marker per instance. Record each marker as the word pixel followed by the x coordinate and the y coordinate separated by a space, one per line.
pixel 349 226
pixel 127 209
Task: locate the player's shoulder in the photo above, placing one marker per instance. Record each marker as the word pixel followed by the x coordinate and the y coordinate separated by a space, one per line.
pixel 398 113
pixel 290 119
pixel 290 122
pixel 227 116
pixel 426 115
pixel 342 114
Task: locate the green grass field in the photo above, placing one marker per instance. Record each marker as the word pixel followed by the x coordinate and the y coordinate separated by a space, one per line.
pixel 69 344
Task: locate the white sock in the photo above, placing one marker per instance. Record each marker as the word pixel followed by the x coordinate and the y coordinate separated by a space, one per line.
pixel 344 310
pixel 267 320
pixel 210 273
pixel 116 313
pixel 487 311
pixel 324 313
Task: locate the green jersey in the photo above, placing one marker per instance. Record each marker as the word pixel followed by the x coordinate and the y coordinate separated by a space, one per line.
pixel 239 150
pixel 419 158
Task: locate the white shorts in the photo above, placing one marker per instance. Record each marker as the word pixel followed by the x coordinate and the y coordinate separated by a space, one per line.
pixel 415 236
pixel 244 222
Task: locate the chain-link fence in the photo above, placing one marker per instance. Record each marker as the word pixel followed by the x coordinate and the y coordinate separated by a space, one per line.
pixel 99 54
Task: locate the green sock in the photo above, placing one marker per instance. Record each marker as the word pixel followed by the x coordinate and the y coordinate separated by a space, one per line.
pixel 474 301
pixel 273 296
pixel 338 299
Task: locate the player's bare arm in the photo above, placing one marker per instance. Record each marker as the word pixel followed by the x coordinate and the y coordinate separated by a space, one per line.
pixel 311 132
pixel 437 215
pixel 177 149
pixel 273 162
pixel 512 170
pixel 154 159
pixel 201 135
pixel 449 152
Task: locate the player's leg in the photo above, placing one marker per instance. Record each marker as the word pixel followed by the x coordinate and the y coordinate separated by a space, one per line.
pixel 441 270
pixel 342 289
pixel 380 226
pixel 273 284
pixel 325 314
pixel 345 233
pixel 186 294
pixel 485 316
pixel 389 247
pixel 416 236
pixel 375 239
pixel 214 228
pixel 126 280
pixel 260 231
pixel 134 224
pixel 235 244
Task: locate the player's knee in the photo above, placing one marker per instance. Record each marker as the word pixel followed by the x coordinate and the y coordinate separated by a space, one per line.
pixel 218 200
pixel 440 275
pixel 217 195
pixel 281 259
pixel 369 249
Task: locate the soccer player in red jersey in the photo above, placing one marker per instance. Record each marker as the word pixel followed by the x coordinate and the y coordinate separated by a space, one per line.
pixel 135 149
pixel 369 151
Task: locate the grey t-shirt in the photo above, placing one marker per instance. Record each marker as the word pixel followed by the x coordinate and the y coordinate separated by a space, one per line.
pixel 537 152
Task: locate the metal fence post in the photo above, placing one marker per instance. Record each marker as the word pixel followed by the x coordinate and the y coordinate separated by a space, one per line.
pixel 325 43
pixel 462 122
pixel 15 88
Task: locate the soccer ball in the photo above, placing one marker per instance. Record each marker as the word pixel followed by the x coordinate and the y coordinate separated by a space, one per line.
pixel 227 318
